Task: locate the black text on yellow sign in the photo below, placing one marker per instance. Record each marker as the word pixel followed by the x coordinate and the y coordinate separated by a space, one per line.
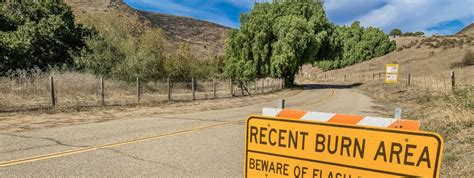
pixel 294 148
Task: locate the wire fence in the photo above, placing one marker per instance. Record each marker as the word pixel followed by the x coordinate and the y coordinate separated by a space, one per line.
pixel 74 90
pixel 445 82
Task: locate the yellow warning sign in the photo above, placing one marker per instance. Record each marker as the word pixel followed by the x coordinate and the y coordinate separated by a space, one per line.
pixel 297 148
pixel 391 73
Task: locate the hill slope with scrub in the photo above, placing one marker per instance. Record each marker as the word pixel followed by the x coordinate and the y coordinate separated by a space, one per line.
pixel 205 39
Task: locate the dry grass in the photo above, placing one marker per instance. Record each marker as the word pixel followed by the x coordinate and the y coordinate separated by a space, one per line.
pixel 451 116
pixel 429 98
pixel 30 91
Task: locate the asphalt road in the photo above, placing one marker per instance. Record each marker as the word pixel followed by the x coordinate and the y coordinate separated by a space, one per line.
pixel 203 144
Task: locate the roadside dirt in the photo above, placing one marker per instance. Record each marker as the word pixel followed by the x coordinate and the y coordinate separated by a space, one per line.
pixel 26 121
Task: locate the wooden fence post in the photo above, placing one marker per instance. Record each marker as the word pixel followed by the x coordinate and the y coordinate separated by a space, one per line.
pixel 53 94
pixel 138 90
pixel 193 89
pixel 444 83
pixel 280 82
pixel 214 88
pixel 453 82
pixel 169 88
pixel 231 88
pixel 270 82
pixel 409 79
pixel 102 93
pixel 268 85
pixel 256 86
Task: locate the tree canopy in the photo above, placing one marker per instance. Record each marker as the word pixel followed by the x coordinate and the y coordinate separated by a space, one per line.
pixel 38 34
pixel 276 39
pixel 395 32
pixel 357 44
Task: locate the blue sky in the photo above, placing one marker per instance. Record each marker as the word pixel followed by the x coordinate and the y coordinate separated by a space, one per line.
pixel 429 16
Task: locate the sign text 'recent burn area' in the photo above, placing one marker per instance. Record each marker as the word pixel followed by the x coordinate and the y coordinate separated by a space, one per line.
pixel 295 148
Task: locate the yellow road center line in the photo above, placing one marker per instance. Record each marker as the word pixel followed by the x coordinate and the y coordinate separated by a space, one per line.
pixel 328 97
pixel 92 148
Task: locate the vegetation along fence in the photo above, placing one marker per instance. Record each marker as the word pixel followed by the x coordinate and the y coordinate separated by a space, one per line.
pixel 77 90
pixel 443 82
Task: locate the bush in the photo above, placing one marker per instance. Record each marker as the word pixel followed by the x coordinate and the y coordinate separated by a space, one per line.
pixel 38 34
pixel 467 60
pixel 358 44
pixel 126 48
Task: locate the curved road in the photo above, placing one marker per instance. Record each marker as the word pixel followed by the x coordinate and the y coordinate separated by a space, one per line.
pixel 209 144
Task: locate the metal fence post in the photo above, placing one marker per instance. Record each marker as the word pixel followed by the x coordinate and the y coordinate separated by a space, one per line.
pixel 281 103
pixel 398 113
pixel 53 94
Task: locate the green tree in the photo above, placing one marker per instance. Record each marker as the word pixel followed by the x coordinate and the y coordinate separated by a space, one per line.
pixel 419 33
pixel 395 32
pixel 123 48
pixel 100 57
pixel 38 35
pixel 276 39
pixel 179 65
pixel 357 44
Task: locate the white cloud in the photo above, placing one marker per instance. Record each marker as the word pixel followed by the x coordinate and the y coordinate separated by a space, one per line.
pixel 409 15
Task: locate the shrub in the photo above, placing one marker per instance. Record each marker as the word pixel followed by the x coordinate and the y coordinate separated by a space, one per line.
pixel 431 54
pixel 467 60
pixel 126 48
pixel 38 34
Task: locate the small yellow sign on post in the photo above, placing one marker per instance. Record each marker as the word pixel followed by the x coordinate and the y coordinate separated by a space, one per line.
pixel 391 73
pixel 296 148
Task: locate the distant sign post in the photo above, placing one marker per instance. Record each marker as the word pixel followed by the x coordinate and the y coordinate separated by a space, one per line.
pixel 391 73
pixel 296 148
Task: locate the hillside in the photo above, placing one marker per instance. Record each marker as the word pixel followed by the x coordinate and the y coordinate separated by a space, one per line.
pixel 205 39
pixel 419 56
pixel 209 38
pixel 428 98
pixel 468 30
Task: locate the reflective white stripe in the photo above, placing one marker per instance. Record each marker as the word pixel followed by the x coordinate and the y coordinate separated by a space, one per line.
pixel 317 116
pixel 272 112
pixel 325 117
pixel 376 121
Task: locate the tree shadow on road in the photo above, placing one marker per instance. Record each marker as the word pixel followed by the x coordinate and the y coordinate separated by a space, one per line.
pixel 327 86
